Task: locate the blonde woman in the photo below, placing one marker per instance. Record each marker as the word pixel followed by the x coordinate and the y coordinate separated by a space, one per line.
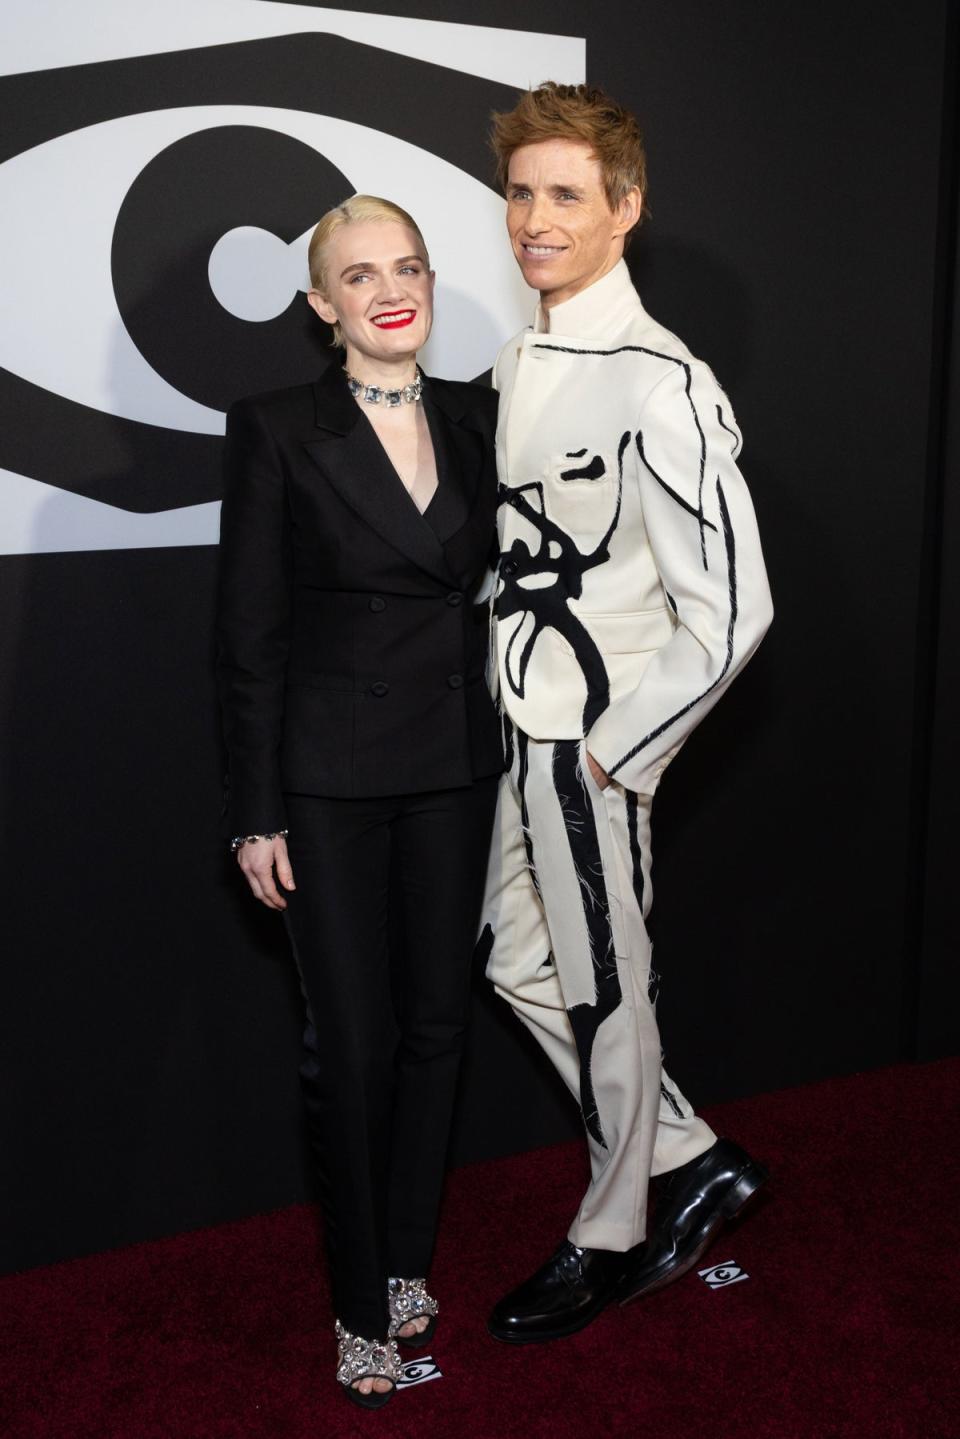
pixel 364 749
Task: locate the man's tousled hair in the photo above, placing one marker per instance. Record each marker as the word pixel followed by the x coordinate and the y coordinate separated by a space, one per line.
pixel 576 112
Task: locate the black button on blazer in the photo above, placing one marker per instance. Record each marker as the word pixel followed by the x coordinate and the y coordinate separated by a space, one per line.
pixel 340 627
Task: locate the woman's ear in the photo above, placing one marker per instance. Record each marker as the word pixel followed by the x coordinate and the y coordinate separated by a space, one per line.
pixel 322 306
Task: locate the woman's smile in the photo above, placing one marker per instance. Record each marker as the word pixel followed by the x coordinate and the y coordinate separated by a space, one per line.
pixel 394 319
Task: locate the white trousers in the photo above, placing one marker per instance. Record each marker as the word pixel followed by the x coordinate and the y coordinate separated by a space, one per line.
pixel 568 893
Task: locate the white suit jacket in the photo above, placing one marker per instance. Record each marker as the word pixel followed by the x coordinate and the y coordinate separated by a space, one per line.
pixel 631 585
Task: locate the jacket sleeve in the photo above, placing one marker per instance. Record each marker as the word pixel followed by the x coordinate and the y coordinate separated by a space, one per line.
pixel 703 535
pixel 253 620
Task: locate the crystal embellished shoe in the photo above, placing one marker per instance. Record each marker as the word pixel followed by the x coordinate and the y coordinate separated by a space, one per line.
pixel 408 1299
pixel 366 1359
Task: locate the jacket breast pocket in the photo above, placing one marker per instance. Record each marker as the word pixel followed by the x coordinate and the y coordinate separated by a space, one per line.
pixel 580 492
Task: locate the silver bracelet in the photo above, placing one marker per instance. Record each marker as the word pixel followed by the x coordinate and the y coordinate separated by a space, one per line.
pixel 239 840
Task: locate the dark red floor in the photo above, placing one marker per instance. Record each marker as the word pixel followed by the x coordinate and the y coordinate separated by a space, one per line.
pixel 847 1327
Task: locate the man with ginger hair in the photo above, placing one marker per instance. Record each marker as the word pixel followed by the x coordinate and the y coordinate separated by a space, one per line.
pixel 631 589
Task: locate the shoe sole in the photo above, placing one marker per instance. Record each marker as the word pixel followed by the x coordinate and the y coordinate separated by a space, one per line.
pixel 736 1198
pixel 373 1400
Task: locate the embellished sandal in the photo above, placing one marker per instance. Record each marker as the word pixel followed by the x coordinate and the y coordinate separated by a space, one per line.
pixel 366 1359
pixel 408 1299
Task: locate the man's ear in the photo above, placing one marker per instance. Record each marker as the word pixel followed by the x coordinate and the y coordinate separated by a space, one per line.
pixel 322 306
pixel 629 210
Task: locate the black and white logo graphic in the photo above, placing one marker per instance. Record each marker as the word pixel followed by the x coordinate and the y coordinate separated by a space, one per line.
pixel 718 1276
pixel 418 1371
pixel 160 174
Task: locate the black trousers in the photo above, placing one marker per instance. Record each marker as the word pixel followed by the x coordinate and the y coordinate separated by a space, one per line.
pixel 383 924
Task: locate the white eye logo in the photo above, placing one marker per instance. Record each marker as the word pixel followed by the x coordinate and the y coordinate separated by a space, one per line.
pixel 718 1276
pixel 153 358
pixel 60 325
pixel 418 1371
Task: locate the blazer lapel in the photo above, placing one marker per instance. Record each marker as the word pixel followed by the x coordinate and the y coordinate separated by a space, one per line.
pixel 356 465
pixel 450 507
pixel 464 519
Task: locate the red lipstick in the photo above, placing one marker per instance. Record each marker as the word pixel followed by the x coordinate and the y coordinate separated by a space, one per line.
pixel 394 319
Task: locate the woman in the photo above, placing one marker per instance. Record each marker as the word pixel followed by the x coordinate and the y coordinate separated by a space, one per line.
pixel 364 748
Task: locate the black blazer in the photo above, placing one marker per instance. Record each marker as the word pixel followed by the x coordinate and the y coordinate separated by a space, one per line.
pixel 350 651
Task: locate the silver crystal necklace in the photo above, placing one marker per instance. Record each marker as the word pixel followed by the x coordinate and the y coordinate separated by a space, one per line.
pixel 377 395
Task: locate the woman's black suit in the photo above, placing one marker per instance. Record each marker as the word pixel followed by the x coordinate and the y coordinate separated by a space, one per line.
pixel 351 663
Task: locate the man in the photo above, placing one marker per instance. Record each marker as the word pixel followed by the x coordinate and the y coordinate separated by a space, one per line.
pixel 631 589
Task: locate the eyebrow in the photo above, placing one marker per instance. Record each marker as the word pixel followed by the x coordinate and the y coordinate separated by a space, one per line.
pixel 371 264
pixel 573 187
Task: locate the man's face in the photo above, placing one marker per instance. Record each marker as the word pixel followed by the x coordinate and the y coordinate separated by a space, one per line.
pixel 564 234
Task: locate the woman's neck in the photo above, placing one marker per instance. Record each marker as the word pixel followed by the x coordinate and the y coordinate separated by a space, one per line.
pixel 390 374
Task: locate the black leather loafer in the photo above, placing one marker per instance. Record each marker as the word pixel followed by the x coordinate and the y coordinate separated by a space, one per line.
pixel 693 1204
pixel 564 1295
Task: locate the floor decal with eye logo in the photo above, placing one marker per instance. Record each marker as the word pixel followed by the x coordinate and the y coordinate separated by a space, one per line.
pixel 418 1371
pixel 718 1276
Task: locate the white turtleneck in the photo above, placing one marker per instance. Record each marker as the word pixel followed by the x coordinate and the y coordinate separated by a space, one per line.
pixel 596 312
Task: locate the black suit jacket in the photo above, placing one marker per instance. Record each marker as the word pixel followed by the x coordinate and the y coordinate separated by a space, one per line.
pixel 350 653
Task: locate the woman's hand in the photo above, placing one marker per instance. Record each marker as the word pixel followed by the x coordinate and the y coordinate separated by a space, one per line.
pixel 258 858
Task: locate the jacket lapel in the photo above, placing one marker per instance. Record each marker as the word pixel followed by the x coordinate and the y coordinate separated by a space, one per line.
pixel 356 465
pixel 456 481
pixel 469 510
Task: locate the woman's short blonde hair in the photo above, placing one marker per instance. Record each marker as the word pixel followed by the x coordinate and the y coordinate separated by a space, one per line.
pixel 357 210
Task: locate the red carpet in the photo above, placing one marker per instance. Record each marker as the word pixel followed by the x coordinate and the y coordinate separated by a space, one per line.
pixel 845 1329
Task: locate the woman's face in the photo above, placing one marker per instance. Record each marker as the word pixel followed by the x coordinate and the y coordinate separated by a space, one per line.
pixel 379 288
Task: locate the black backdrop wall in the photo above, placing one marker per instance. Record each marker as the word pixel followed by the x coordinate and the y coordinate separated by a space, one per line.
pixel 803 166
